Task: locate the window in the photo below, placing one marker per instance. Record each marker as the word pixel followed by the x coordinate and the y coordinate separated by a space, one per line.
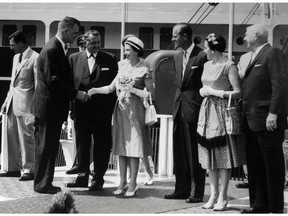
pixel 30 34
pixel 7 31
pixel 165 39
pixel 101 30
pixel 81 30
pixel 146 34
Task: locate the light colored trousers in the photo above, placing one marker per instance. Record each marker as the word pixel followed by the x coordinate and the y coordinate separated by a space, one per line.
pixel 20 141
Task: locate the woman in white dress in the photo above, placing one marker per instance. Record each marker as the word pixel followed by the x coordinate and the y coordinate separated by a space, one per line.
pixel 131 138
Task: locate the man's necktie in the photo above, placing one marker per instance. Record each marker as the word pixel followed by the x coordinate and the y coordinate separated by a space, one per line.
pixel 185 60
pixel 91 62
pixel 20 57
pixel 91 55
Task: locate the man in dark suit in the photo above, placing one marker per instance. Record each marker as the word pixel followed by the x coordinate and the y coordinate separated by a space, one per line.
pixel 93 68
pixel 74 170
pixel 188 65
pixel 264 103
pixel 50 103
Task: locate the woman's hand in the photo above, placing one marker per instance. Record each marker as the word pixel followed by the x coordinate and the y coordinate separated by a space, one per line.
pixel 92 91
pixel 128 87
pixel 205 91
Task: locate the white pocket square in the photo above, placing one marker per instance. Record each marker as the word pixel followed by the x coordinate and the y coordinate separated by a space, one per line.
pixel 193 67
pixel 257 65
pixel 104 69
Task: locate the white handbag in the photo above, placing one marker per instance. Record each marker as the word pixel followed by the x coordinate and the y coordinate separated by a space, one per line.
pixel 233 118
pixel 150 113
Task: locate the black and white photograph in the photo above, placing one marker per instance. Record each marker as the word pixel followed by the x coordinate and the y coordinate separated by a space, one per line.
pixel 143 107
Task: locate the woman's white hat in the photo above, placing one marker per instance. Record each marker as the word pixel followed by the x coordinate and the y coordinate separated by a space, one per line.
pixel 135 42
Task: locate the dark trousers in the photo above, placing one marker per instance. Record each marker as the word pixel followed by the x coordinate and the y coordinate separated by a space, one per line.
pixel 47 135
pixel 265 163
pixel 101 132
pixel 190 177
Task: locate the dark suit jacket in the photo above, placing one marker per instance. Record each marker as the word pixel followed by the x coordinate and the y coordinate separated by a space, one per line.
pixel 104 72
pixel 54 83
pixel 187 97
pixel 265 88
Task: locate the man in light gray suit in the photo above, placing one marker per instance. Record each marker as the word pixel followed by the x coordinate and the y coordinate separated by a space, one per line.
pixel 17 106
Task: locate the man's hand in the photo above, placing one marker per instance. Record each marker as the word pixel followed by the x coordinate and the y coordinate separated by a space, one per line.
pixel 3 109
pixel 271 122
pixel 83 96
pixel 285 148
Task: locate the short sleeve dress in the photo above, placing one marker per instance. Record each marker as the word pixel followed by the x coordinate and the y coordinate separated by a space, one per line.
pixel 131 137
pixel 224 151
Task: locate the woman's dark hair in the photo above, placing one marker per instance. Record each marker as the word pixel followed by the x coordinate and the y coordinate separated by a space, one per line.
pixel 216 42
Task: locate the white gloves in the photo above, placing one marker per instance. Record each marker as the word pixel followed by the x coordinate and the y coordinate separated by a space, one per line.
pixel 101 90
pixel 138 92
pixel 207 90
pixel 126 88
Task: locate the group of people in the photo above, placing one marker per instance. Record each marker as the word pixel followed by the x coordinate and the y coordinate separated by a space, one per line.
pixel 93 86
pixel 201 142
pixel 108 108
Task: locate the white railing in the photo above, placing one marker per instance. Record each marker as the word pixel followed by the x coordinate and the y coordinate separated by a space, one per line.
pixel 165 146
pixel 165 156
pixel 4 149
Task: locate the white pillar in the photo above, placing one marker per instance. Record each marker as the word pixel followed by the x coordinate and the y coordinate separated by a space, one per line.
pixel 231 23
pixel 162 157
pixel 165 156
pixel 4 149
pixel 124 8
pixel 47 32
pixel 170 161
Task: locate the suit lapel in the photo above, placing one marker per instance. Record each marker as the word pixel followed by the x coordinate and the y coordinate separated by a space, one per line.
pixel 84 62
pixel 59 46
pixel 13 75
pixel 23 62
pixel 251 65
pixel 191 61
pixel 178 67
pixel 96 68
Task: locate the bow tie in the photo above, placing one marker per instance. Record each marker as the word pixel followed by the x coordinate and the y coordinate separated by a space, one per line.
pixel 91 56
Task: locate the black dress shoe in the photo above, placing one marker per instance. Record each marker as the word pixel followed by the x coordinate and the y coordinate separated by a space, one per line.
pixel 242 185
pixel 73 170
pixel 175 196
pixel 77 184
pixel 49 190
pixel 193 200
pixel 10 174
pixel 96 186
pixel 254 211
pixel 27 177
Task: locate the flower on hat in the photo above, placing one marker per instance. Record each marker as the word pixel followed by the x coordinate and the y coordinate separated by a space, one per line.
pixel 212 38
